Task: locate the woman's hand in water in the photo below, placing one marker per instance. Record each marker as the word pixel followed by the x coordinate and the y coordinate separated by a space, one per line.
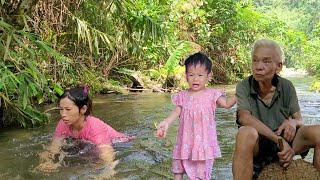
pixel 107 153
pixel 47 157
pixel 46 163
pixel 48 167
pixel 162 129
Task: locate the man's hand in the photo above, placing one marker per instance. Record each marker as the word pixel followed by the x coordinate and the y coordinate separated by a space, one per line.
pixel 286 155
pixel 289 126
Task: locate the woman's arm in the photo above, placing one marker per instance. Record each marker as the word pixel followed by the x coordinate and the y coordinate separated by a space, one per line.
pixel 116 136
pixel 107 153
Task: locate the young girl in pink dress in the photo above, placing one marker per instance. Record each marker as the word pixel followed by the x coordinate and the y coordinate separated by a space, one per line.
pixel 197 145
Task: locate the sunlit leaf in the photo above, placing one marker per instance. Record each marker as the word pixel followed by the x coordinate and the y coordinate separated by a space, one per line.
pixel 57 89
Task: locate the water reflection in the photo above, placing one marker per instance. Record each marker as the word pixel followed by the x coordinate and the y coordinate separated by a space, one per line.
pixel 144 158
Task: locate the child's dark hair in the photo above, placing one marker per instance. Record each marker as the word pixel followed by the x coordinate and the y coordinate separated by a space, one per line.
pixel 79 95
pixel 198 58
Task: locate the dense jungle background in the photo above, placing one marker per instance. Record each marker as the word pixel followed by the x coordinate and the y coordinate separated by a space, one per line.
pixel 118 45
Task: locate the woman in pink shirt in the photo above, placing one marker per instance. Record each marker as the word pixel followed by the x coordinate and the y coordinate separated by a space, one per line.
pixel 77 122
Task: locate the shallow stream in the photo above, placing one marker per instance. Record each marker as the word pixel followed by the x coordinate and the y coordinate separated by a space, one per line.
pixel 144 158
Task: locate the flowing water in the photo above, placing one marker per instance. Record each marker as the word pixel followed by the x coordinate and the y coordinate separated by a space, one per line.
pixel 144 158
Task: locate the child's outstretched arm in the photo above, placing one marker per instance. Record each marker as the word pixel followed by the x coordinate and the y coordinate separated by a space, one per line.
pixel 226 102
pixel 163 126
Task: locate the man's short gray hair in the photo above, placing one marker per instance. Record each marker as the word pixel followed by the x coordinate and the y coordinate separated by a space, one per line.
pixel 268 43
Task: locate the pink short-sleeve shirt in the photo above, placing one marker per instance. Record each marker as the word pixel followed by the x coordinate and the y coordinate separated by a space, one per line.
pixel 94 130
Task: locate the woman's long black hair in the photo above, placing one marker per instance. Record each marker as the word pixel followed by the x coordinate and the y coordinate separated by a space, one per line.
pixel 80 97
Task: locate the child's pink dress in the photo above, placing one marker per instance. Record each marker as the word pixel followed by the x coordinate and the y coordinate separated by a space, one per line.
pixel 94 130
pixel 197 145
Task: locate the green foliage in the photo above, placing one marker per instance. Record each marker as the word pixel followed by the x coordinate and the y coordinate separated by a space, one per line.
pixel 99 42
pixel 309 13
pixel 233 26
pixel 180 53
pixel 298 31
pixel 22 84
pixel 315 86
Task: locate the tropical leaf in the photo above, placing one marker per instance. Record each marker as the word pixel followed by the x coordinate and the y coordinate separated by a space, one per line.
pixel 183 49
pixel 58 89
pixel 51 51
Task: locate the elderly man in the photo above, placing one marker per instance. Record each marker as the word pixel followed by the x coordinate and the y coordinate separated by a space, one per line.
pixel 267 110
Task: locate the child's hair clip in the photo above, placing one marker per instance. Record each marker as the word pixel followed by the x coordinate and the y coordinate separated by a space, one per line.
pixel 85 90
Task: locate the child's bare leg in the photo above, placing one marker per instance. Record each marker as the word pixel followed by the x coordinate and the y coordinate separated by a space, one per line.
pixel 178 176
